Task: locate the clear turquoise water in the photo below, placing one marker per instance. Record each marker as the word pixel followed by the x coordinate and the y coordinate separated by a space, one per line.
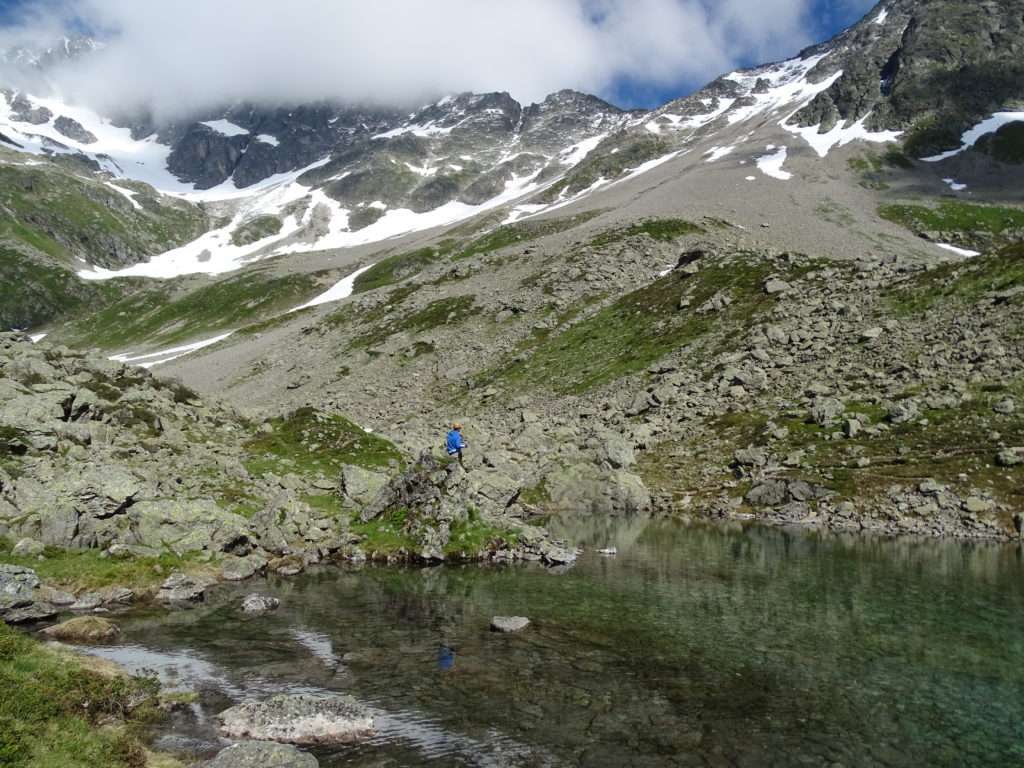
pixel 694 646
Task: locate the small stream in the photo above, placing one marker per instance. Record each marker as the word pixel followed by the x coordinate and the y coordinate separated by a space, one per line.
pixel 694 646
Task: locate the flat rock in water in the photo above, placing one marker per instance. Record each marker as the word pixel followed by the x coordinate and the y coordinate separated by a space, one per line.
pixel 180 588
pixel 83 629
pixel 299 719
pixel 509 623
pixel 262 754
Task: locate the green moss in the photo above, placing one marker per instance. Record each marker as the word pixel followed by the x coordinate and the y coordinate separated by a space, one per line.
pixel 53 708
pixel 663 230
pixel 325 503
pixel 76 569
pixel 469 537
pixel 256 229
pixel 311 443
pixel 965 283
pixel 977 224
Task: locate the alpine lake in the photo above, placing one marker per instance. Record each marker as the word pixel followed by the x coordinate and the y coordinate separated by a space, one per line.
pixel 693 646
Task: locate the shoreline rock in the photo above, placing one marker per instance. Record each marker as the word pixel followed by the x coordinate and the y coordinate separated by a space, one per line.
pixel 299 719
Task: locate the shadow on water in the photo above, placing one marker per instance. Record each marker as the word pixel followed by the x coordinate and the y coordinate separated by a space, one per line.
pixel 694 646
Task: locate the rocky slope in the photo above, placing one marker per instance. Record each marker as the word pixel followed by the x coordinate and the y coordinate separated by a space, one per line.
pixel 98 455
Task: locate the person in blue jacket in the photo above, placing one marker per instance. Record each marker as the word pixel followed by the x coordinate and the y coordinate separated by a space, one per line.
pixel 454 444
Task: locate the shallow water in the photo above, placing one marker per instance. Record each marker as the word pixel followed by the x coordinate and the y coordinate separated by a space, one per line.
pixel 693 646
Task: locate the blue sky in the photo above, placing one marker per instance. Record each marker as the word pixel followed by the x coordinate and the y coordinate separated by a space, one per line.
pixel 634 53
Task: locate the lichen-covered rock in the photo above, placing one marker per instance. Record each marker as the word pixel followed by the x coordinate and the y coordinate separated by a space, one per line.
pixel 262 754
pixel 83 629
pixel 257 604
pixel 509 623
pixel 299 719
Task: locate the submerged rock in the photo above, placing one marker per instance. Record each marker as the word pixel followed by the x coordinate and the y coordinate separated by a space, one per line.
pixel 259 603
pixel 262 754
pixel 509 623
pixel 83 629
pixel 299 719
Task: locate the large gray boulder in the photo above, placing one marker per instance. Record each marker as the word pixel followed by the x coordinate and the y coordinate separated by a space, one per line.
pixel 186 525
pixel 360 486
pixel 589 489
pixel 262 754
pixel 299 719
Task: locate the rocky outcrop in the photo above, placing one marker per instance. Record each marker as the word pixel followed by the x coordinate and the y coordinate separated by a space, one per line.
pixel 299 719
pixel 21 599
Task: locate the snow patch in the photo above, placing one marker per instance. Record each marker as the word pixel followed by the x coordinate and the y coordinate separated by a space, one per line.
pixel 37 337
pixel 787 86
pixel 751 178
pixel 954 185
pixel 225 127
pixel 717 153
pixel 959 251
pixel 340 290
pixel 578 152
pixel 970 138
pixel 882 16
pixel 266 138
pixel 151 359
pixel 771 165
pixel 129 193
pixel 840 136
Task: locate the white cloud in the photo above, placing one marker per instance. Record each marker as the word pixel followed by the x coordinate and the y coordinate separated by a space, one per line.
pixel 181 55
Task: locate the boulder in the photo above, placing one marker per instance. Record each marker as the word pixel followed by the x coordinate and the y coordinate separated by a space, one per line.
pixel 617 451
pixel 28 548
pixel 1010 457
pixel 360 486
pixel 509 623
pixel 772 493
pixel 186 525
pixel 1005 407
pixel 262 754
pixel 826 411
pixel 242 568
pixel 83 629
pixel 774 286
pixel 181 588
pixel 17 581
pixel 299 719
pixel 255 603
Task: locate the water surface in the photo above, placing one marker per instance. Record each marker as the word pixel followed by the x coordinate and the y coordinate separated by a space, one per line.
pixel 694 646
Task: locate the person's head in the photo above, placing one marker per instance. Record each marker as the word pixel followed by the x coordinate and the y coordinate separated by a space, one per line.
pixel 457 426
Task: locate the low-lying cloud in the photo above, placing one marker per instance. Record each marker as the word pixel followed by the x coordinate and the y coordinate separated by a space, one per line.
pixel 181 56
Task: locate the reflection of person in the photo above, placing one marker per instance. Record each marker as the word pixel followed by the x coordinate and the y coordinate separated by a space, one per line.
pixel 455 443
pixel 445 657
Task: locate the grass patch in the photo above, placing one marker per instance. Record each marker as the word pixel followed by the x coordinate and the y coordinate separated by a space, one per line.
pixel 386 534
pixel 57 713
pixel 78 569
pixel 523 231
pixel 662 230
pixel 966 282
pixel 986 223
pixel 311 443
pixel 434 315
pixel 396 268
pixel 256 229
pixel 1006 145
pixel 172 313
pixel 471 536
pixel 639 328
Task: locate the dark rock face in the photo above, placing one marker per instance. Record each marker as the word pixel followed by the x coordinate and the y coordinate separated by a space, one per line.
pixel 206 157
pixel 936 65
pixel 73 130
pixel 26 113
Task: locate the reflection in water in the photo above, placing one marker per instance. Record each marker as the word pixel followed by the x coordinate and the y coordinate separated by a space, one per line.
pixel 695 646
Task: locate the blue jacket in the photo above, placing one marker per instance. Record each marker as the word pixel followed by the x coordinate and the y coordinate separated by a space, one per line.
pixel 454 443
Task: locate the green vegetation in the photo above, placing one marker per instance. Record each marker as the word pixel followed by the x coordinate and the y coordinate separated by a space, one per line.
pixel 966 283
pixel 1006 145
pixel 74 569
pixel 396 268
pixel 34 291
pixel 63 215
pixel 662 230
pixel 609 160
pixel 640 328
pixel 473 535
pixel 256 229
pixel 386 534
pixel 56 712
pixel 980 225
pixel 311 443
pixel 173 311
pixel 523 231
pixel 950 443
pixel 441 312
